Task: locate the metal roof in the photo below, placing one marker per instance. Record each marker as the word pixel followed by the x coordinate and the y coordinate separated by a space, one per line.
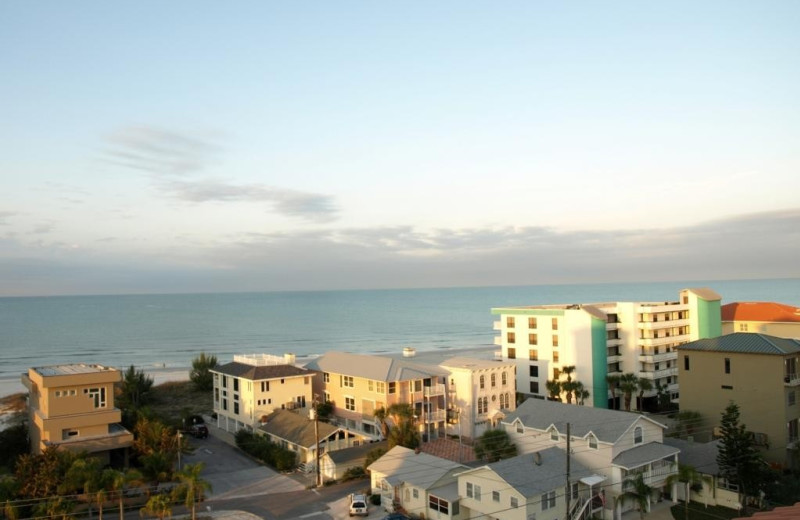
pixel 66 370
pixel 745 343
pixel 377 368
pixel 702 456
pixel 295 428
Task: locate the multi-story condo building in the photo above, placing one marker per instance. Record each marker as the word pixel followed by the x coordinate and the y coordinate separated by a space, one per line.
pixel 775 319
pixel 600 339
pixel 72 407
pixel 252 386
pixel 757 372
pixel 358 384
pixel 480 392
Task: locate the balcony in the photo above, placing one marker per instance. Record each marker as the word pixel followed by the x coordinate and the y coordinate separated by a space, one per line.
pixel 437 389
pixel 614 358
pixel 658 374
pixel 436 416
pixel 612 326
pixel 117 437
pixel 497 325
pixel 663 324
pixel 498 340
pixel 657 358
pixel 613 342
pixel 791 379
pixel 667 340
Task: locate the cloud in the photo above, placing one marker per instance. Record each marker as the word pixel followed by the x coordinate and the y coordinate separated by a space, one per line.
pixel 159 151
pixel 292 203
pixel 5 216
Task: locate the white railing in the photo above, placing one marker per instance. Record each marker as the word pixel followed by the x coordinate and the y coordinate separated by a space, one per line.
pixel 438 415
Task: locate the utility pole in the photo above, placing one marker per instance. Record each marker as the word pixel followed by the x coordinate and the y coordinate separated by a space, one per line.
pixel 316 438
pixel 569 490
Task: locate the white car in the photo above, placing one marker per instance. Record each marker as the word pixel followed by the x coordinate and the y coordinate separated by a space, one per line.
pixel 358 505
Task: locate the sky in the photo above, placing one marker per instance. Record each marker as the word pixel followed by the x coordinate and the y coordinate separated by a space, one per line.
pixel 157 147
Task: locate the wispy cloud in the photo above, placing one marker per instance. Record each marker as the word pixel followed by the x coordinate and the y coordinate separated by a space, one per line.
pixel 5 216
pixel 292 203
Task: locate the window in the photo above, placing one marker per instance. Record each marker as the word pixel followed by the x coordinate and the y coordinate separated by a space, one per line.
pixel 480 405
pixel 495 496
pixel 791 398
pixel 555 357
pixel 347 381
pixel 67 434
pixel 514 502
pixel 686 362
pixel 439 504
pixel 556 373
pixel 235 407
pixel 553 434
pixel 554 323
pixel 504 378
pixel 512 337
pixel 519 427
pixel 380 387
pixel 637 435
pixel 216 395
pixel 350 404
pixel 265 386
pixel 727 365
pixel 510 322
pixel 98 395
pixel 533 339
pixel 743 327
pixel 534 387
pixel 370 385
pixel 548 500
pixel 592 442
pixel 470 492
pixel 415 492
pixel 418 385
pixel 326 377
pixel 224 404
pixel 482 382
pixel 235 384
pixel 533 371
pixel 224 381
pixel 392 387
pixel 477 492
pixel 531 323
pixel 493 379
pixel 512 353
pixel 533 354
pixel 555 340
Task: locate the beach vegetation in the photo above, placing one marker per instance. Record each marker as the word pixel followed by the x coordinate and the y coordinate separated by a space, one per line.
pixel 494 445
pixel 201 375
pixel 268 452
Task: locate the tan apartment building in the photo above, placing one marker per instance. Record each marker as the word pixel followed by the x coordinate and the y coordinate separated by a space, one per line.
pixel 480 393
pixel 359 384
pixel 251 387
pixel 757 372
pixel 72 407
pixel 775 319
pixel 601 339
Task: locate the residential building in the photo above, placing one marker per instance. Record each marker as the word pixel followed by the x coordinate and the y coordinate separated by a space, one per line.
pixel 533 485
pixel 600 339
pixel 713 489
pixel 297 432
pixel 359 384
pixel 251 387
pixel 72 407
pixel 418 483
pixel 757 372
pixel 775 319
pixel 480 392
pixel 334 464
pixel 612 443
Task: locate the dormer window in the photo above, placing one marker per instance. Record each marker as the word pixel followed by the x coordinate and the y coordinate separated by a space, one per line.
pixel 520 428
pixel 592 441
pixel 637 435
pixel 553 434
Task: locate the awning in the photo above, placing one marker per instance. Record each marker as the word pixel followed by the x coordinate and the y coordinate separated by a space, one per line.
pixel 593 480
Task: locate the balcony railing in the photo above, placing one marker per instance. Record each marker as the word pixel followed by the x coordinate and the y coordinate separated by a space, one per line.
pixel 667 340
pixel 436 416
pixel 792 379
pixel 498 340
pixel 437 389
pixel 658 374
pixel 663 324
pixel 657 358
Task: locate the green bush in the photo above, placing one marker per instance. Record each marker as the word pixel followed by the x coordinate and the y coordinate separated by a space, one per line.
pixel 267 452
pixel 375 500
pixel 354 473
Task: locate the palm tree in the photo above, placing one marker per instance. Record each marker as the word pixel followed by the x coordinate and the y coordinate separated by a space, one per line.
pixel 644 386
pixel 193 485
pixel 118 481
pixel 554 389
pixel 569 387
pixel 159 506
pixel 568 371
pixel 628 385
pixel 581 393
pixel 613 384
pixel 380 416
pixel 689 477
pixel 10 511
pixel 637 491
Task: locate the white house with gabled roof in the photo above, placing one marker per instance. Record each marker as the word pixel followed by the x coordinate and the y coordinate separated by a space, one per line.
pixel 612 443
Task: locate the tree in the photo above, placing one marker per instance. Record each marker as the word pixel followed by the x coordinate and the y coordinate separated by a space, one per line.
pixel 39 476
pixel 159 506
pixel 613 384
pixel 135 388
pixel 381 415
pixel 192 485
pixel 10 511
pixel 628 384
pixel 157 447
pixel 201 374
pixel 373 455
pixel 325 410
pixel 553 389
pixel 688 421
pixel 581 393
pixel 691 479
pixel 738 458
pixel 494 445
pixel 645 385
pixel 118 481
pixel 636 490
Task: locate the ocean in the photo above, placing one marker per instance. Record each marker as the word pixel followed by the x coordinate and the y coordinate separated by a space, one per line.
pixel 163 332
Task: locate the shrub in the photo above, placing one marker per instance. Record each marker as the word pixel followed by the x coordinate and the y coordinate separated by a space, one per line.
pixel 375 500
pixel 200 374
pixel 354 473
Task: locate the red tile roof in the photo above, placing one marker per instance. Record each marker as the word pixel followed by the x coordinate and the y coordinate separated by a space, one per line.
pixel 779 513
pixel 760 311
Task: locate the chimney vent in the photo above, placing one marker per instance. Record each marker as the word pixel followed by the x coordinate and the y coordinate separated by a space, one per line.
pixel 537 458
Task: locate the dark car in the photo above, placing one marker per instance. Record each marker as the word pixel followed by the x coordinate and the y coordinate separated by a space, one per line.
pixel 199 431
pixel 396 516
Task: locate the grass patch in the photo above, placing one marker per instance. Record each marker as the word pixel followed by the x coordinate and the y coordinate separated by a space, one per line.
pixel 175 400
pixel 698 511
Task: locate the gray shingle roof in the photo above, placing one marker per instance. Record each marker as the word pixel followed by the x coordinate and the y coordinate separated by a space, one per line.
pixel 295 428
pixel 644 454
pixel 419 469
pixel 531 479
pixel 745 343
pixel 377 368
pixel 356 453
pixel 258 373
pixel 702 456
pixel 607 425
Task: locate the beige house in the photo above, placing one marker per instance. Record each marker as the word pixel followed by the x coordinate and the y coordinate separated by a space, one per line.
pixel 480 393
pixel 253 386
pixel 72 407
pixel 757 372
pixel 775 319
pixel 614 444
pixel 714 490
pixel 335 463
pixel 359 384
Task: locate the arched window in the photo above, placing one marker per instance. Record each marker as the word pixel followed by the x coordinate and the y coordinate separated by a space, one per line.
pixel 485 404
pixel 637 435
pixel 482 382
pixel 504 378
pixel 494 380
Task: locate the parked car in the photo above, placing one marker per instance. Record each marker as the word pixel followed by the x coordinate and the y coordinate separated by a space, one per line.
pixel 199 431
pixel 396 516
pixel 358 505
